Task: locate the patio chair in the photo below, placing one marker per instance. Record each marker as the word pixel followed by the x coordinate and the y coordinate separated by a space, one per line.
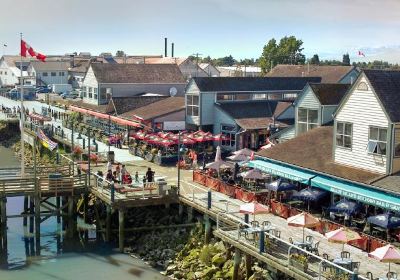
pixel 309 239
pixel 325 265
pixel 255 224
pixel 314 249
pixel 290 240
pixel 266 223
pixel 345 255
pixel 276 233
pixel 391 275
pixel 355 266
pixel 370 276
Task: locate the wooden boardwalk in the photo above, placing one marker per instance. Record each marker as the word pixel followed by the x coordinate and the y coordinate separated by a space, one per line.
pixel 195 195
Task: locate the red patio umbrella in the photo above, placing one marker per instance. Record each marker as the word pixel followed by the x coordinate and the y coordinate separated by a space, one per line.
pixel 386 254
pixel 342 235
pixel 304 220
pixel 253 208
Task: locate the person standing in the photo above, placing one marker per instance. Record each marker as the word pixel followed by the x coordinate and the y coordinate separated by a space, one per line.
pixel 109 166
pixel 149 175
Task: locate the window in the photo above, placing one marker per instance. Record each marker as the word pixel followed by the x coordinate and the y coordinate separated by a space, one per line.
pixel 229 131
pixel 224 97
pixel 83 91
pixel 5 72
pixel 258 96
pixel 53 74
pixel 1 72
pixel 90 92
pixel 44 74
pixel 95 91
pixel 362 86
pixel 192 105
pixel 95 96
pixel 61 73
pixel 344 132
pixel 243 96
pixel 289 96
pixel 377 141
pixel 274 96
pixel 307 119
pixel 397 142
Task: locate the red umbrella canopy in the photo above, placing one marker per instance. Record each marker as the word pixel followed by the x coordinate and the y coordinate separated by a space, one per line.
pixel 167 142
pixel 253 208
pixel 386 253
pixel 220 137
pixel 342 235
pixel 303 220
pixel 188 141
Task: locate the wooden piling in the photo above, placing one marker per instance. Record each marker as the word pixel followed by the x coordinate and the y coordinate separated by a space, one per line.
pixel 25 219
pixel 58 205
pixel 236 264
pixel 71 217
pixel 190 214
pixel 121 218
pixel 3 222
pixel 108 223
pixel 207 229
pixel 249 264
pixel 37 217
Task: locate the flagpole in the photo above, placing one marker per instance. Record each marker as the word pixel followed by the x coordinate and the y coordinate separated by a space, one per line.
pixel 22 117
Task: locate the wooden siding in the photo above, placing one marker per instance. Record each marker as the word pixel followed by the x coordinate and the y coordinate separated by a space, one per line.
pixel 350 77
pixel 90 81
pixel 327 113
pixel 286 134
pixel 207 108
pixel 362 109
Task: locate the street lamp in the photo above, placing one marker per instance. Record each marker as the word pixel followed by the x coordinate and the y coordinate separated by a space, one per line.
pixel 179 162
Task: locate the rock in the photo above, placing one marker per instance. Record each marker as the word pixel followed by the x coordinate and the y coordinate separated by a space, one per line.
pixel 171 268
pixel 198 275
pixel 179 275
pixel 218 260
pixel 209 271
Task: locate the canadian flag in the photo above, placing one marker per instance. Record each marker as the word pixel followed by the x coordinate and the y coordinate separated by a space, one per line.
pixel 360 53
pixel 26 48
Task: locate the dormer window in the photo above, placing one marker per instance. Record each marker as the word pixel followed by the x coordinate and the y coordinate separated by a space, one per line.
pixel 377 141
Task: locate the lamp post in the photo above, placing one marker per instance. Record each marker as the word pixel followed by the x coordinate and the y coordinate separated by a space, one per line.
pixel 179 162
pixel 89 156
pixel 109 132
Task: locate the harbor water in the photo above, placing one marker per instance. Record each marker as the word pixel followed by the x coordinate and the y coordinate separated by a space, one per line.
pixel 59 259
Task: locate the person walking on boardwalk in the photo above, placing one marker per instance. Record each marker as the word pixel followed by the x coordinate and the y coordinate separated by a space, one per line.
pixel 150 175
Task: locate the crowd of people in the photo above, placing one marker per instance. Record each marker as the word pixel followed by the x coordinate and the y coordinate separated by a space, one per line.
pixel 120 175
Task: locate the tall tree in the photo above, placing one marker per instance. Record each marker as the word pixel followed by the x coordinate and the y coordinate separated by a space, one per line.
pixel 346 60
pixel 120 54
pixel 225 61
pixel 314 60
pixel 288 51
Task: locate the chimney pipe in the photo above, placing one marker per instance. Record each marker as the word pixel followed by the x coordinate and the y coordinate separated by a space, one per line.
pixel 172 50
pixel 165 47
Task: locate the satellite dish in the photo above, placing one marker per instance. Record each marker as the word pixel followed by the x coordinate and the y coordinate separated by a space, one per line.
pixel 173 91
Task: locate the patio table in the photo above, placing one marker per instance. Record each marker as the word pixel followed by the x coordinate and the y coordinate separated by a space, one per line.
pixel 344 262
pixel 303 245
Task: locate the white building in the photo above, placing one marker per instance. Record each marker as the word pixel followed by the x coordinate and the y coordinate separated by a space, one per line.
pixel 188 68
pixel 210 69
pixel 49 72
pixel 239 71
pixel 10 70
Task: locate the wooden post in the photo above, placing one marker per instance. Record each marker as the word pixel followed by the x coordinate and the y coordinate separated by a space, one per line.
pixel 58 205
pixel 207 229
pixel 108 223
pixel 32 214
pixel 25 219
pixel 3 223
pixel 85 213
pixel 236 264
pixel 121 218
pixel 37 217
pixel 190 214
pixel 248 261
pixel 180 211
pixel 70 229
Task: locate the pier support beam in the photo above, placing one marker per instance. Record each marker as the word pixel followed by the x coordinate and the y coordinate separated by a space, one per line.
pixel 108 223
pixel 58 205
pixel 71 218
pixel 236 264
pixel 3 223
pixel 121 218
pixel 180 211
pixel 190 214
pixel 37 224
pixel 25 219
pixel 249 264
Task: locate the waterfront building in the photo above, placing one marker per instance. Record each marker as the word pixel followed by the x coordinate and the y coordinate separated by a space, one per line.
pixel 210 69
pixel 105 80
pixel 239 71
pixel 49 72
pixel 10 70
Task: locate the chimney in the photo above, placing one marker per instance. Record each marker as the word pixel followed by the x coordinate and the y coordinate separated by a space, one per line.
pixel 172 50
pixel 72 61
pixel 165 47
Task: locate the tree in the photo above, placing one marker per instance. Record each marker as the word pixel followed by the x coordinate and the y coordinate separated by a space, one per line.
pixel 346 60
pixel 120 54
pixel 314 60
pixel 288 51
pixel 207 59
pixel 225 61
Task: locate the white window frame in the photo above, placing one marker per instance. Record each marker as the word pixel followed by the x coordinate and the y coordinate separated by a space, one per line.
pixel 190 105
pixel 374 145
pixel 307 122
pixel 344 135
pixel 230 133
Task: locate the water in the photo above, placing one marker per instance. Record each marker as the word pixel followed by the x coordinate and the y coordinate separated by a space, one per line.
pixel 59 260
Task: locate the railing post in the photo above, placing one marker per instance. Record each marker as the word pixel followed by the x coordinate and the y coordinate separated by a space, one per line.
pixel 246 218
pixel 262 242
pixel 209 199
pixel 112 192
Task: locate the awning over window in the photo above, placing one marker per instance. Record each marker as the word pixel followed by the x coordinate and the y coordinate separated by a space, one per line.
pixel 277 169
pixel 358 192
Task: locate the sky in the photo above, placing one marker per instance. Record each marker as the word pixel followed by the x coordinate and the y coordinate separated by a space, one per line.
pixel 217 28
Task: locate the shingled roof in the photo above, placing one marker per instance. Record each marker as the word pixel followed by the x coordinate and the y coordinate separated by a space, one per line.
pixel 254 114
pixel 328 73
pixel 50 65
pixel 386 85
pixel 157 109
pixel 313 150
pixel 329 94
pixel 137 73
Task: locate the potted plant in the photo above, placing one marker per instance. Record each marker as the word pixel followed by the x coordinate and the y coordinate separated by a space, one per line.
pixel 299 261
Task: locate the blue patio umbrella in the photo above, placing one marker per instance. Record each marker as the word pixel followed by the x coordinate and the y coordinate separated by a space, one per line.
pixel 345 206
pixel 280 186
pixel 387 220
pixel 309 195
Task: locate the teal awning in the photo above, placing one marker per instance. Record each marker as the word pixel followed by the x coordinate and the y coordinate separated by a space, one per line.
pixel 358 192
pixel 277 169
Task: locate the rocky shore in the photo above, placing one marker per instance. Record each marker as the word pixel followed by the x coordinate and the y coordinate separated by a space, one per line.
pixel 9 134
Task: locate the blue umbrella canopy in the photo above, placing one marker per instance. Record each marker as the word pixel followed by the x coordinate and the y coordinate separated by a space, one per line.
pixel 280 186
pixel 310 194
pixel 345 206
pixel 386 220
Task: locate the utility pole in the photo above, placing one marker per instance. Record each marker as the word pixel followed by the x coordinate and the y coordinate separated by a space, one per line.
pixel 197 62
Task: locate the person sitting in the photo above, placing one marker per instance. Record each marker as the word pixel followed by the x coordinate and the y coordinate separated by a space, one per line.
pixel 127 179
pixel 115 177
pixel 109 176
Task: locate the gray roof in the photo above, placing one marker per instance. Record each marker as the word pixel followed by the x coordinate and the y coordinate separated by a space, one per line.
pixel 329 94
pixel 138 73
pixel 235 84
pixel 50 65
pixel 386 85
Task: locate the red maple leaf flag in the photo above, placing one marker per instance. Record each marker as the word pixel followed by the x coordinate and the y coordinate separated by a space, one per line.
pixel 27 48
pixel 360 53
